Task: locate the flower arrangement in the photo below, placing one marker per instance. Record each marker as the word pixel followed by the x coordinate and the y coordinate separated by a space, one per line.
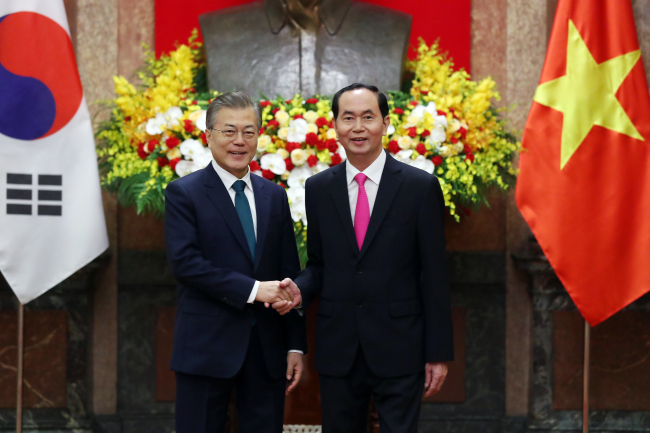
pixel 445 126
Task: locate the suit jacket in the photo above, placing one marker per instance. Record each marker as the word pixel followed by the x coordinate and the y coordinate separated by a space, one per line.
pixel 392 297
pixel 209 256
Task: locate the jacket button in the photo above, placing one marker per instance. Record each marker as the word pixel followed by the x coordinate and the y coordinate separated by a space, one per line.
pixel 360 304
pixel 359 269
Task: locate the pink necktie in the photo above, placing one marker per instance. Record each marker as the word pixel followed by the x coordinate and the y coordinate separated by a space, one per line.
pixel 362 212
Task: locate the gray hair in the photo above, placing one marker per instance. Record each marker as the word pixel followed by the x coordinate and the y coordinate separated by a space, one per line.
pixel 235 100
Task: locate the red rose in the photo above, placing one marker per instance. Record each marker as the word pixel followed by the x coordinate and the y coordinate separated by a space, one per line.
pixel 463 132
pixel 331 124
pixel 272 124
pixel 172 142
pixel 151 145
pixel 332 145
pixel 312 160
pixel 189 127
pixel 282 185
pixel 289 164
pixel 265 103
pixel 467 149
pixel 292 146
pixel 425 133
pixel 321 121
pixel 141 152
pixel 288 101
pixel 312 101
pixel 398 111
pixel 268 174
pixel 412 132
pixel 127 119
pixel 321 145
pixel 470 156
pixel 414 103
pixel 194 102
pixel 173 163
pixel 453 140
pixel 254 166
pixel 424 92
pixel 298 116
pixel 421 149
pixel 162 162
pixel 441 113
pixel 275 110
pixel 204 138
pixel 312 139
pixel 437 160
pixel 336 159
pixel 393 146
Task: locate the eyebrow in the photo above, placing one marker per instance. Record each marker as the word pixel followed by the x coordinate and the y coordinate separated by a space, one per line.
pixel 365 112
pixel 245 127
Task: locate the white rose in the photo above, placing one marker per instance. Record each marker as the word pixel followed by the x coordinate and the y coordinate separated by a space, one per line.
pixel 458 147
pixel 285 176
pixel 273 162
pixel 299 176
pixel 282 133
pixel 263 142
pixel 411 121
pixel 405 142
pixel 310 116
pixel 297 131
pixel 312 128
pixel 445 151
pixel 185 167
pixel 191 148
pixel 454 125
pixel 282 117
pixel 298 157
pixel 331 133
pixel 283 153
pixel 156 125
pixel 423 164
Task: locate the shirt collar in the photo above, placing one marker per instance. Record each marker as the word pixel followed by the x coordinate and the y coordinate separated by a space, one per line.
pixel 373 171
pixel 229 179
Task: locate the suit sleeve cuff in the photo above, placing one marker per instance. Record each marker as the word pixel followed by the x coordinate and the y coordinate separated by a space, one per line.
pixel 256 287
pixel 297 351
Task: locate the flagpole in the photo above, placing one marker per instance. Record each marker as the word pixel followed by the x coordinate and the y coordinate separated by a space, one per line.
pixel 19 369
pixel 585 381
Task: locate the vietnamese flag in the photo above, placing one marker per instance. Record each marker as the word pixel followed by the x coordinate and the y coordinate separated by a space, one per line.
pixel 584 187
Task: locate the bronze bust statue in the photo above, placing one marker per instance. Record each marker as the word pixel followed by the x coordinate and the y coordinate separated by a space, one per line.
pixel 284 47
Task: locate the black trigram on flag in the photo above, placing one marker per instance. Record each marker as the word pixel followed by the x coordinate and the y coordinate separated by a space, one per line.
pixel 21 198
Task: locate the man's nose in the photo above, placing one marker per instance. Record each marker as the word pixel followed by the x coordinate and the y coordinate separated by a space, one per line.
pixel 358 125
pixel 239 138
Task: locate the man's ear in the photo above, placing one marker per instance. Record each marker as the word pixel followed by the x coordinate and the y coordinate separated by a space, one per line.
pixel 386 125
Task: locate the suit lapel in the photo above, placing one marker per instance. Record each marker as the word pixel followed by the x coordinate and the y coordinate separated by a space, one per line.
pixel 388 187
pixel 218 195
pixel 339 189
pixel 263 210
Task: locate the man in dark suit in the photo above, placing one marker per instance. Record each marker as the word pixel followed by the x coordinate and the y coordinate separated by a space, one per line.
pixel 376 248
pixel 229 239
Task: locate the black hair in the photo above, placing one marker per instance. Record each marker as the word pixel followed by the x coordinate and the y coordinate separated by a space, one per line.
pixel 381 98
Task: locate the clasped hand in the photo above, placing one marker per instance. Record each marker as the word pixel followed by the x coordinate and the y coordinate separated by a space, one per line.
pixel 282 295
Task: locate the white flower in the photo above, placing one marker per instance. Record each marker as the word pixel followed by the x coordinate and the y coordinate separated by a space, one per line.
pixel 173 116
pixel 412 121
pixel 173 153
pixel 199 118
pixel 299 176
pixel 297 207
pixel 297 131
pixel 438 135
pixel 331 133
pixel 320 166
pixel 283 153
pixel 423 164
pixel 273 162
pixel 421 109
pixel 405 142
pixel 342 153
pixel 191 148
pixel 284 176
pixel 458 147
pixel 296 195
pixel 185 167
pixel 282 133
pixel 298 157
pixel 310 116
pixel 312 128
pixel 203 159
pixel 404 156
pixel 156 125
pixel 263 142
pixel 282 117
pixel 391 130
pixel 440 122
pixel 445 151
pixel 454 125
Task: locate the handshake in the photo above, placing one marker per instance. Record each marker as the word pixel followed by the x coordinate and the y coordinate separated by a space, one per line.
pixel 283 295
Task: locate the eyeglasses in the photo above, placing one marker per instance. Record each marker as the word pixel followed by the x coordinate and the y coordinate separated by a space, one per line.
pixel 232 133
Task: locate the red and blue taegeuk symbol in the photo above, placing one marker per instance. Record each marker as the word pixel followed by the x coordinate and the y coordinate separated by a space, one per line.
pixel 40 90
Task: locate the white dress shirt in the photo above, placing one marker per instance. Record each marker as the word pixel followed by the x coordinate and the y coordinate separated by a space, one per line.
pixel 373 172
pixel 229 180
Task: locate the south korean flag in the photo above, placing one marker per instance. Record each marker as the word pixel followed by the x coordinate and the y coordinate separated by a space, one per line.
pixel 51 215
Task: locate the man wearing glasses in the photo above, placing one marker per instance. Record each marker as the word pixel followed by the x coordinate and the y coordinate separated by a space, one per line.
pixel 230 241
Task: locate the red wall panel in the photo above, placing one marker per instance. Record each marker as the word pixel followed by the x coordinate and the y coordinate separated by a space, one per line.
pixel 432 19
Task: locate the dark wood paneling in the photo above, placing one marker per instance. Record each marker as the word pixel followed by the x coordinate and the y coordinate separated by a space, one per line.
pixel 165 379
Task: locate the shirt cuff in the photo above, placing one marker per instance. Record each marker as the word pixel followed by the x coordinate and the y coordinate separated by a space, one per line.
pixel 297 351
pixel 256 287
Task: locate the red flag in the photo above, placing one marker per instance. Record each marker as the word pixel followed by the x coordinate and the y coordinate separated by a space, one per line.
pixel 584 186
